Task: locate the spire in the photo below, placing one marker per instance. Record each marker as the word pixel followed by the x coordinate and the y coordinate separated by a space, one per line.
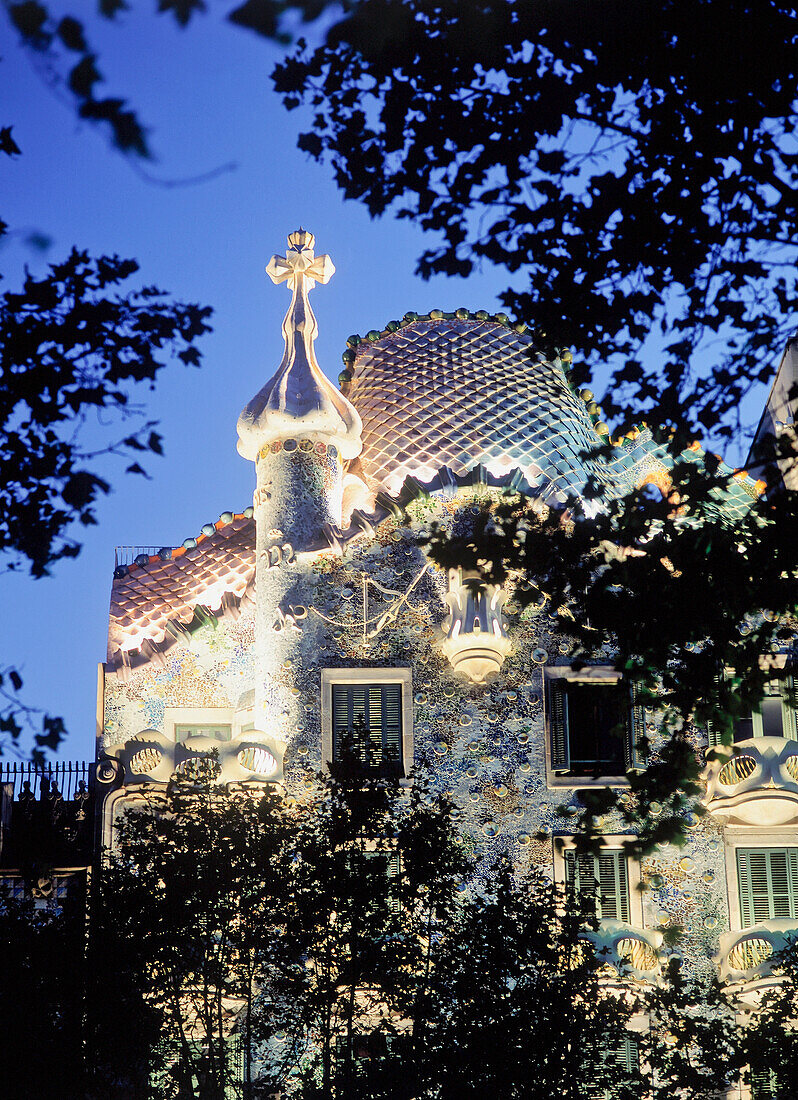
pixel 299 399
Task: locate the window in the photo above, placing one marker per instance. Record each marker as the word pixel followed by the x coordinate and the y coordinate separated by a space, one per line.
pixel 387 860
pixel 767 879
pixel 767 1084
pixel 218 733
pixel 369 716
pixel 617 1064
pixel 183 724
pixel 774 717
pixel 370 1065
pixel 372 709
pixel 603 878
pixel 611 877
pixel 594 725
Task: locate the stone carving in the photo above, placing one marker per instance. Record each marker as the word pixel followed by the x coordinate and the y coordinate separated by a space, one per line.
pixel 149 758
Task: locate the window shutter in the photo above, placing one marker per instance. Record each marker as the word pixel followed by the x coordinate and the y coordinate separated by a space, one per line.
pixel 765 1084
pixel 635 757
pixel 558 725
pixel 392 721
pixel 613 885
pixel 714 732
pixel 375 725
pixel 768 883
pixel 788 691
pixel 603 877
pixel 373 714
pixel 617 1060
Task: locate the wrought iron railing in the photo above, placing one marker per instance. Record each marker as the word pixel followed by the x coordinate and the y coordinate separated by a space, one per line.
pixel 68 777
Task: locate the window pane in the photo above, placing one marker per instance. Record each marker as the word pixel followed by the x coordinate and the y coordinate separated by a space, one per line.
pixel 598 728
pixel 770 708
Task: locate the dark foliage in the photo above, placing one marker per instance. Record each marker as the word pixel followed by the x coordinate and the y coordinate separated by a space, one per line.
pixel 75 345
pixel 634 165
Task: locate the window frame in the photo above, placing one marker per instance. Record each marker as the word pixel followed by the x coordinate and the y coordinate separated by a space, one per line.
pixel 784 686
pixel 591 674
pixel 208 717
pixel 376 676
pixel 617 842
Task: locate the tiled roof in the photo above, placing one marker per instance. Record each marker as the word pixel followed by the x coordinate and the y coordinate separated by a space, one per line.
pixel 444 391
pixel 146 598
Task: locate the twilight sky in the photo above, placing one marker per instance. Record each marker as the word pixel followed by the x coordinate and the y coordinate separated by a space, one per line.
pixel 205 93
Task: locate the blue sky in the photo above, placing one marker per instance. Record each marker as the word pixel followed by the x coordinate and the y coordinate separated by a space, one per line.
pixel 206 95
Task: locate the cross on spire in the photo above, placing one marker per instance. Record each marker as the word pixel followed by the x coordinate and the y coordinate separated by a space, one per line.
pixel 300 267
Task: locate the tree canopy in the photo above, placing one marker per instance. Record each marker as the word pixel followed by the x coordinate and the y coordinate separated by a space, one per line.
pixel 75 346
pixel 633 168
pixel 346 944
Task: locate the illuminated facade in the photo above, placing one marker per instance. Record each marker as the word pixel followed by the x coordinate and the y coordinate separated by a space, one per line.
pixel 269 632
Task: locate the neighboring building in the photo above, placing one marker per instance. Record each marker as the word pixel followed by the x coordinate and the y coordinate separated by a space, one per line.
pixel 47 831
pixel 267 634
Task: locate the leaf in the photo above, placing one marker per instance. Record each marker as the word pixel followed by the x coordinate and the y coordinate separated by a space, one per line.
pixel 7 143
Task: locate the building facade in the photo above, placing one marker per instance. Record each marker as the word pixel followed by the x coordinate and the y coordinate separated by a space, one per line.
pixel 285 625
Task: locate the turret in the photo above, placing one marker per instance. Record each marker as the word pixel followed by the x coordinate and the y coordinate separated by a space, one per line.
pixel 298 430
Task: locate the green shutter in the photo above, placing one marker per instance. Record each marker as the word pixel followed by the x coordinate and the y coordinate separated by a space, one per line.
pixel 767 879
pixel 558 725
pixel 392 722
pixel 714 732
pixel 788 694
pixel 613 885
pixel 635 757
pixel 373 713
pixel 765 1085
pixel 603 877
pixel 618 1061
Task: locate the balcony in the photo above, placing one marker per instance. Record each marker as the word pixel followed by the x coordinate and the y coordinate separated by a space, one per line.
pixel 475 634
pixel 632 953
pixel 151 759
pixel 746 958
pixel 758 785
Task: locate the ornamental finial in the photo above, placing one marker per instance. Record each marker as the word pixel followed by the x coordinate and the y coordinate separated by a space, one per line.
pixel 299 398
pixel 300 264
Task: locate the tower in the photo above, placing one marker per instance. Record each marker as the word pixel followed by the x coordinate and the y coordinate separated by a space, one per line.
pixel 298 430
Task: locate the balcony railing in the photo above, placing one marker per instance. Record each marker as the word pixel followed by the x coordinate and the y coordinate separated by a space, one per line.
pixel 758 785
pixel 149 758
pixel 749 957
pixel 631 952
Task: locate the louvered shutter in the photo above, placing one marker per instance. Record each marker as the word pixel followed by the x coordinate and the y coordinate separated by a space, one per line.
pixel 618 1060
pixel 603 877
pixel 788 688
pixel 635 757
pixel 340 707
pixel 375 725
pixel 714 732
pixel 768 883
pixel 372 713
pixel 613 885
pixel 392 722
pixel 765 1085
pixel 394 872
pixel 558 725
